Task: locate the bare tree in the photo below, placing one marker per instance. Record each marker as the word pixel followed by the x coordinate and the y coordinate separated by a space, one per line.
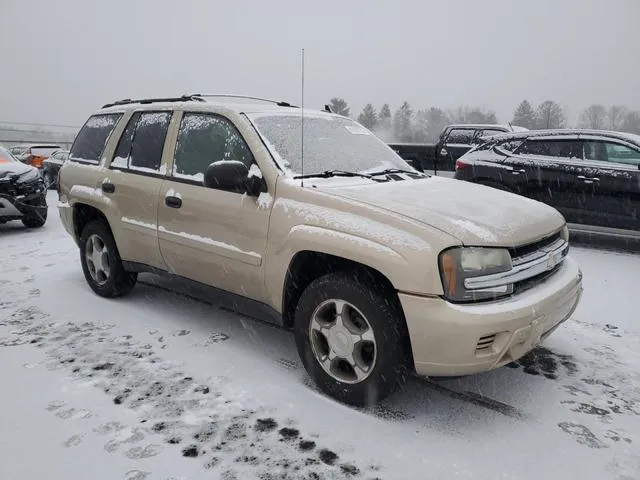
pixel 631 123
pixel 594 116
pixel 550 115
pixel 616 116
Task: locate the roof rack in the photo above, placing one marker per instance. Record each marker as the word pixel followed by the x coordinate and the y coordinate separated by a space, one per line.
pixel 183 98
pixel 230 95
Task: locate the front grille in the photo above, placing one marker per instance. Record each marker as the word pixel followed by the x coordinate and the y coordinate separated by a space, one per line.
pixel 31 187
pixel 524 250
pixel 531 252
pixel 525 285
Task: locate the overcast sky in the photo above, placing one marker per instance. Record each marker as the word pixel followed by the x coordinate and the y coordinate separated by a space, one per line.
pixel 61 60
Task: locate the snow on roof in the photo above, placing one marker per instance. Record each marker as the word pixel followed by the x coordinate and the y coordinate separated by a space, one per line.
pixel 629 137
pixel 482 125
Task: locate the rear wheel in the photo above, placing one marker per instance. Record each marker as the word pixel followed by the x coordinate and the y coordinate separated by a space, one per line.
pixel 101 262
pixel 352 338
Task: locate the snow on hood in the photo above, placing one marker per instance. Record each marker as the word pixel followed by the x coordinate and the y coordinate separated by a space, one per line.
pixel 474 214
pixel 14 168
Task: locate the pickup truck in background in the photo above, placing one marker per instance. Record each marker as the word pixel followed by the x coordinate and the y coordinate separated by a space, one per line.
pixel 454 141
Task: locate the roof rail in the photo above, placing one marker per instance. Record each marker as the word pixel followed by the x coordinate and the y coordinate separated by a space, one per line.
pixel 230 95
pixel 183 98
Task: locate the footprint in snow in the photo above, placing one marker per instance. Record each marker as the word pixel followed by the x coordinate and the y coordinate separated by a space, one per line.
pixel 137 453
pixel 136 475
pixel 73 441
pixel 181 333
pixel 582 434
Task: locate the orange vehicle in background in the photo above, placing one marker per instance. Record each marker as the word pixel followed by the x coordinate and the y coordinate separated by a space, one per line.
pixel 34 155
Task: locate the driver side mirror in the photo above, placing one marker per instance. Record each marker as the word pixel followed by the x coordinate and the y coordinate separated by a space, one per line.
pixel 233 176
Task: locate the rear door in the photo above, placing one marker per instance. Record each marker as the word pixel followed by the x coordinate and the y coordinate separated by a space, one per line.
pixel 453 145
pixel 135 177
pixel 612 175
pixel 546 170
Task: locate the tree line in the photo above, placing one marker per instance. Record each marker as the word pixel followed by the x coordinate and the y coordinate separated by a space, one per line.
pixel 425 125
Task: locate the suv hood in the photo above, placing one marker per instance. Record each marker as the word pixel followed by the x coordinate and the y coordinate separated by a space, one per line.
pixel 11 169
pixel 474 214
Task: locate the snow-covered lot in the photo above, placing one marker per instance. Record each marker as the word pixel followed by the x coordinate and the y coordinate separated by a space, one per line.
pixel 159 385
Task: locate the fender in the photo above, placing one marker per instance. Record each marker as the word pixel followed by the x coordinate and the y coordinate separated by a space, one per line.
pixel 389 262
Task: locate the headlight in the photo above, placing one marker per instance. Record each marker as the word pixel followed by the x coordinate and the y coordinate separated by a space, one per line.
pixel 460 263
pixel 30 176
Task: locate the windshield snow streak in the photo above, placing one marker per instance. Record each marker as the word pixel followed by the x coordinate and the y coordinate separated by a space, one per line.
pixel 331 143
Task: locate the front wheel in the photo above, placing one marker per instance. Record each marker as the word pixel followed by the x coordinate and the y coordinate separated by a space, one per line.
pixel 35 219
pixel 101 262
pixel 352 338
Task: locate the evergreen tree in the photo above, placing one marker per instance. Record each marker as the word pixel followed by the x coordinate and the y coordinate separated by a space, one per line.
pixel 339 106
pixel 524 116
pixel 368 117
pixel 402 128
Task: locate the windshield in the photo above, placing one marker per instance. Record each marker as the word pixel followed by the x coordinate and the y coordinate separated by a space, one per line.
pixel 6 156
pixel 330 143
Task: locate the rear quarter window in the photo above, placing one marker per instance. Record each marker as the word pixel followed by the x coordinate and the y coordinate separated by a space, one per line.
pixel 92 138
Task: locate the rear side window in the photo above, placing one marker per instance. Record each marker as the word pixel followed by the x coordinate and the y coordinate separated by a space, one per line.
pixel 463 136
pixel 142 142
pixel 510 145
pixel 551 148
pixel 92 138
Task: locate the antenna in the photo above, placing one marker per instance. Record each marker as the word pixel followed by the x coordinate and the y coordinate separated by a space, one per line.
pixel 302 126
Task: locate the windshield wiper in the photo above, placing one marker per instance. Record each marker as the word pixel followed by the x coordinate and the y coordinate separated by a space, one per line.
pixel 394 170
pixel 333 173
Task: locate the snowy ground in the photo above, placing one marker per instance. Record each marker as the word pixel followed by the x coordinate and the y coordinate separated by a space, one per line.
pixel 161 386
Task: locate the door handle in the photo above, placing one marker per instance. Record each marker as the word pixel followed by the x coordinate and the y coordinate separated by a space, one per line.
pixel 518 172
pixel 588 179
pixel 173 202
pixel 108 187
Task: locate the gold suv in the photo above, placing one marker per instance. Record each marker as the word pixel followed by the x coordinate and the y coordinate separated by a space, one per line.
pixel 380 271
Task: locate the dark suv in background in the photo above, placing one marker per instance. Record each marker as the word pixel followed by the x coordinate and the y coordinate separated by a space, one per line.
pixel 592 177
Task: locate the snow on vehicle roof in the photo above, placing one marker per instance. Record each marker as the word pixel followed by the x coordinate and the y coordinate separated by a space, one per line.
pixel 488 126
pixel 628 137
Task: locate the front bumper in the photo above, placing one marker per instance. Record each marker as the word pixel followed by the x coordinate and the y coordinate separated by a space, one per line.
pixel 16 207
pixel 458 339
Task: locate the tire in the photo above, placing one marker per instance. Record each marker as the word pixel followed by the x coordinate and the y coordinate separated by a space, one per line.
pixel 35 220
pixel 114 281
pixel 381 311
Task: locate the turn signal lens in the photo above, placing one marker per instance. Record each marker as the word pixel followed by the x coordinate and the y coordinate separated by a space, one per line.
pixel 449 271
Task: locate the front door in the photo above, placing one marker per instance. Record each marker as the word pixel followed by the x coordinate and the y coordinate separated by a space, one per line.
pixel 212 236
pixel 133 182
pixel 613 176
